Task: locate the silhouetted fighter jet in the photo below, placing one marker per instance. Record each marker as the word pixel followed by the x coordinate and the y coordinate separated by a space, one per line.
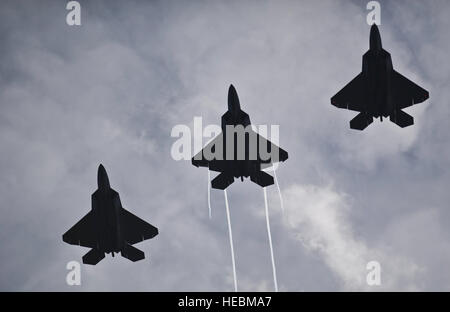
pixel 250 163
pixel 379 91
pixel 108 227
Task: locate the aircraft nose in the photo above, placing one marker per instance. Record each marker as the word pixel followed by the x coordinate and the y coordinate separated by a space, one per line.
pixel 375 38
pixel 102 178
pixel 233 99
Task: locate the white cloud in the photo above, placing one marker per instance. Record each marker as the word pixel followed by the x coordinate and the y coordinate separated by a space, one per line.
pixel 319 219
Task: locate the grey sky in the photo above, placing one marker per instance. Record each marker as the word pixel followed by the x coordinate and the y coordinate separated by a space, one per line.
pixel 111 90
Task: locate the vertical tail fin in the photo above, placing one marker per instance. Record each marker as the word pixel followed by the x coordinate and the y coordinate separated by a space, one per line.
pixel 93 257
pixel 132 253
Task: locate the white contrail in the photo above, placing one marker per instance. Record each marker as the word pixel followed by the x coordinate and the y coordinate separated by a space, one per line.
pixel 274 270
pixel 231 240
pixel 209 193
pixel 278 187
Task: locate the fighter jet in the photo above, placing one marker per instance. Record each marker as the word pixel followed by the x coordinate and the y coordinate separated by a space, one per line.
pixel 108 227
pixel 379 91
pixel 245 150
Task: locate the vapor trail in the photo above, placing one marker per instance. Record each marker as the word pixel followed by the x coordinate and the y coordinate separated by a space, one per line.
pixel 209 193
pixel 231 240
pixel 278 187
pixel 274 269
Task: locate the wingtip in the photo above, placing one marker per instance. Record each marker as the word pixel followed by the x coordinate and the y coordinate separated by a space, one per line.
pixel 334 102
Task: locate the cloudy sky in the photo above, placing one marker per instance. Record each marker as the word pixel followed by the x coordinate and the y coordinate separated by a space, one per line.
pixel 110 91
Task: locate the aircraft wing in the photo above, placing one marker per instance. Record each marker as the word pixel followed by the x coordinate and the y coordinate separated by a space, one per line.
pixel 405 92
pixel 268 146
pixel 199 160
pixel 83 232
pixel 351 96
pixel 134 229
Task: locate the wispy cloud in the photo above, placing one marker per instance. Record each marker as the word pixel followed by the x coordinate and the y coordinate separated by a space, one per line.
pixel 319 219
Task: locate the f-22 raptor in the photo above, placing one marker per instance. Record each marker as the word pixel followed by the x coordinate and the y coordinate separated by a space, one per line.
pixel 379 91
pixel 245 160
pixel 108 227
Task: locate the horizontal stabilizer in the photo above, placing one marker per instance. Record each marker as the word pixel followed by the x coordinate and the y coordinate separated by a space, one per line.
pixel 361 122
pixel 402 119
pixel 261 178
pixel 132 253
pixel 222 181
pixel 93 257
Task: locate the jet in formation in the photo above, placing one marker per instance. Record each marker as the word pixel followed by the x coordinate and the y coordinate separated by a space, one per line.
pixel 250 163
pixel 379 91
pixel 108 227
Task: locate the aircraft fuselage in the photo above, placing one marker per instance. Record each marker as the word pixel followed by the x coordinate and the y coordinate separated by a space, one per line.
pixel 106 208
pixel 377 69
